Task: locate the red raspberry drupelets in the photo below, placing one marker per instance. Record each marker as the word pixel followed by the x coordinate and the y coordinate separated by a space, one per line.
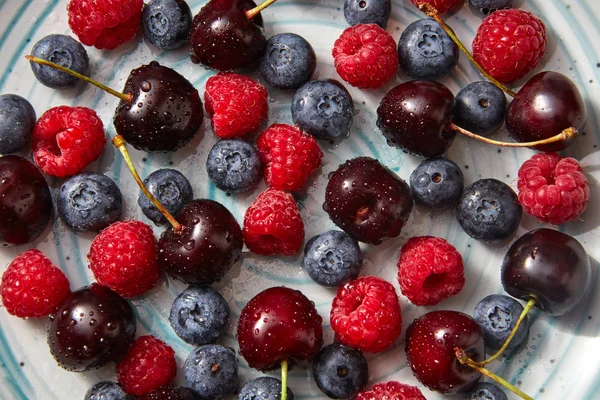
pixel 148 365
pixel 430 270
pixel 553 189
pixel 272 224
pixel 105 24
pixel 391 390
pixel 365 56
pixel 67 139
pixel 290 156
pixel 441 5
pixel 366 315
pixel 123 257
pixel 509 44
pixel 238 104
pixel 32 286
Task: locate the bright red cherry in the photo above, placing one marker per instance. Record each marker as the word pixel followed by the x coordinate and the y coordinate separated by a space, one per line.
pixel 279 324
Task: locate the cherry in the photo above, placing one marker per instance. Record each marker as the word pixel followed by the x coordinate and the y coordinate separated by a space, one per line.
pixel 367 200
pixel 25 201
pixel 223 37
pixel 549 266
pixel 430 349
pixel 414 116
pixel 548 103
pixel 279 325
pixel 165 110
pixel 91 328
pixel 209 243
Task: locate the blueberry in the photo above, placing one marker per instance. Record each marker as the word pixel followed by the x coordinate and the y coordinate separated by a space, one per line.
pixel 233 165
pixel 288 61
pixel 62 50
pixel 17 119
pixel 212 371
pixel 89 202
pixel 323 108
pixel 199 315
pixel 170 188
pixel 167 23
pixel 367 12
pixel 489 211
pixel 497 315
pixel 106 391
pixel 263 388
pixel 425 51
pixel 437 183
pixel 332 258
pixel 340 371
pixel 489 6
pixel 485 391
pixel 480 108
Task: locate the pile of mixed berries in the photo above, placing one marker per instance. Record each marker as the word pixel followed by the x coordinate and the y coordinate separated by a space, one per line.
pixel 159 110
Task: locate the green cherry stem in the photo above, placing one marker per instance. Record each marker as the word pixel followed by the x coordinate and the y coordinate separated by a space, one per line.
pixel 568 133
pixel 433 13
pixel 284 374
pixel 252 13
pixel 465 360
pixel 125 97
pixel 119 142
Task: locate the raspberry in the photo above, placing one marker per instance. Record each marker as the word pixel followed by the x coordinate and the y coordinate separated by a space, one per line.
pixel 391 390
pixel 366 315
pixel 365 56
pixel 123 257
pixel 148 365
pixel 289 155
pixel 429 270
pixel 237 104
pixel 509 44
pixel 105 24
pixel 32 286
pixel 272 224
pixel 67 139
pixel 441 5
pixel 553 189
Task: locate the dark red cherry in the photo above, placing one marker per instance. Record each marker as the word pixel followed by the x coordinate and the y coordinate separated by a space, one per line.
pixel 430 343
pixel 550 265
pixel 165 112
pixel 210 243
pixel 25 201
pixel 279 324
pixel 547 104
pixel 367 200
pixel 91 328
pixel 222 37
pixel 414 116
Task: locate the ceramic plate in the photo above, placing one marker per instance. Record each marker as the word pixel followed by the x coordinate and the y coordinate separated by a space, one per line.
pixel 560 360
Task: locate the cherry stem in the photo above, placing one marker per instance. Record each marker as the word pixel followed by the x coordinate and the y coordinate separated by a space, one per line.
pixel 255 11
pixel 464 359
pixel 433 13
pixel 568 133
pixel 119 142
pixel 284 373
pixel 125 97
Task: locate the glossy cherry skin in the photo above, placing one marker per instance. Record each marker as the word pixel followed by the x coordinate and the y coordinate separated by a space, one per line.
pixel 279 324
pixel 547 104
pixel 414 116
pixel 165 113
pixel 210 243
pixel 223 38
pixel 550 265
pixel 91 328
pixel 25 201
pixel 430 343
pixel 368 200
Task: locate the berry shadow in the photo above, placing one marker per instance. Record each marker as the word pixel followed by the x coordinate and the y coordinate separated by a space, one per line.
pixel 590 219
